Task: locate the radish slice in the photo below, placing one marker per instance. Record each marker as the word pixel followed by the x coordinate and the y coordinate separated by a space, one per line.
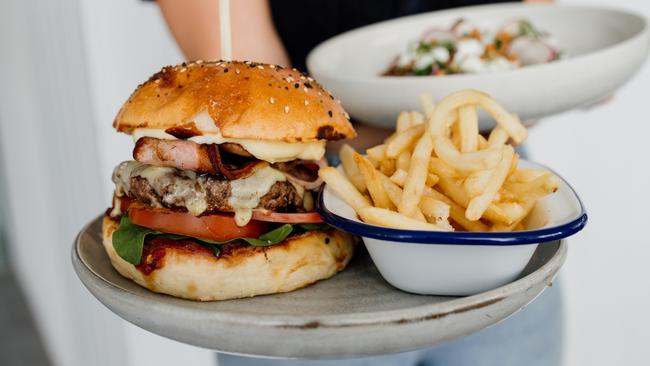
pixel 438 34
pixel 532 51
pixel 510 27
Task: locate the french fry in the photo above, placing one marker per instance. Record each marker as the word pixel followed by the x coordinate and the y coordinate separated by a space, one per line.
pixel 457 193
pixel 527 206
pixel 417 176
pixel 468 128
pixel 513 210
pixel 440 168
pixel 538 187
pixel 343 188
pixel 476 182
pixel 497 137
pixel 399 177
pixel 526 175
pixel 403 160
pixel 432 207
pixel 457 213
pixel 403 122
pixel 403 140
pixel 373 183
pixel 427 104
pixel 387 218
pixel 376 154
pixel 479 204
pixel 387 166
pixel 417 118
pixel 395 194
pixel 481 141
pixel 439 121
pixel 346 154
pixel 432 180
pixel 472 161
pixel 393 191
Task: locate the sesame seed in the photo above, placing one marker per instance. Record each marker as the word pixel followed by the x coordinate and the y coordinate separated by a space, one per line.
pixel 198 62
pixel 157 81
pixel 286 109
pixel 305 89
pixel 272 66
pixel 271 100
pixel 306 102
pixel 260 67
pixel 183 69
pixel 237 71
pixel 320 94
pixel 338 101
pixel 347 116
pixel 310 78
pixel 302 77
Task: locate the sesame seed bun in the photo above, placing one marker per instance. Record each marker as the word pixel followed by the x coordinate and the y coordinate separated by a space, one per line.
pixel 193 272
pixel 243 100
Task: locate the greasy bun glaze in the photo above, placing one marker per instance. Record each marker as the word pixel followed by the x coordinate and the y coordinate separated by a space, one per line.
pixel 242 99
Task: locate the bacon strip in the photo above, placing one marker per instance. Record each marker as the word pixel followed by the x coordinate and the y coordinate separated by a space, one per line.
pixel 188 155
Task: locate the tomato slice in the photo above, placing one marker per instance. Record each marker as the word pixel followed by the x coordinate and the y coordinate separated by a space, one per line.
pixel 287 218
pixel 218 227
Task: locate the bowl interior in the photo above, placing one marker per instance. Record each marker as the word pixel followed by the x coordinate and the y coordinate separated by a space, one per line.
pixel 367 52
pixel 554 217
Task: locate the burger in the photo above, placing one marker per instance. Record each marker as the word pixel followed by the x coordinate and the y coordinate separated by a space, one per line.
pixel 218 202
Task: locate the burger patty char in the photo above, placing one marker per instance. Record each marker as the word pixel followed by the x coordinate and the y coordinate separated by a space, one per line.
pixel 199 194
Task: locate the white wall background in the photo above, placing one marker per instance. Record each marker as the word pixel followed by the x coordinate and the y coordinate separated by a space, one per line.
pixel 69 65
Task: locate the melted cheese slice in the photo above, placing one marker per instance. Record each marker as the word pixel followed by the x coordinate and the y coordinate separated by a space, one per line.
pixel 245 193
pixel 271 151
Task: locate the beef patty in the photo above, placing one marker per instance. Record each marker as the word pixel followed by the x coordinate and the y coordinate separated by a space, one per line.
pixel 198 193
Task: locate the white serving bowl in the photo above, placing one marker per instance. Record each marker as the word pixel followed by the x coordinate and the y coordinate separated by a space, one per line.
pixel 602 48
pixel 458 263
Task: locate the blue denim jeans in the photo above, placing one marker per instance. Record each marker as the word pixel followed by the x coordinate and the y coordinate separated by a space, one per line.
pixel 533 337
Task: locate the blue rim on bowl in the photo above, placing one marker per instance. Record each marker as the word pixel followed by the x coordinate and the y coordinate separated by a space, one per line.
pixel 542 235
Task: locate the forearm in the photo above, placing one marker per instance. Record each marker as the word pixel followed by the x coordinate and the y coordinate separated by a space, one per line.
pixel 195 26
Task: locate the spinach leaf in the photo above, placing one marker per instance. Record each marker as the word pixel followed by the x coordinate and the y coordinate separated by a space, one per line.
pixel 128 240
pixel 309 227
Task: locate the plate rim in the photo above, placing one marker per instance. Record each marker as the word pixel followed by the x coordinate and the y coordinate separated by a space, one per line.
pixel 538 236
pixel 458 77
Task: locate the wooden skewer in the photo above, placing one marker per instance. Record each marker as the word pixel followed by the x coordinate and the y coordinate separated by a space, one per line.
pixel 224 30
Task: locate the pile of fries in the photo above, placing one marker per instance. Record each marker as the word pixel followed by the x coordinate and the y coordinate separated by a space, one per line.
pixel 436 172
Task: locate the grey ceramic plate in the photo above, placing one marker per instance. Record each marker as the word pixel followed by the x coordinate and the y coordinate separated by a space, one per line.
pixel 356 313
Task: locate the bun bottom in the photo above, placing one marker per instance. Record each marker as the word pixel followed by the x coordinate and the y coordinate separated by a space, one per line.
pixel 242 272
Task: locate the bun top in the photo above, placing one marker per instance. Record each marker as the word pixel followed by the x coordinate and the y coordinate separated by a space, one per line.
pixel 243 100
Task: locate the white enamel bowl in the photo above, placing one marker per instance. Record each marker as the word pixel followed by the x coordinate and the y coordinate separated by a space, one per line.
pixel 602 49
pixel 458 263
